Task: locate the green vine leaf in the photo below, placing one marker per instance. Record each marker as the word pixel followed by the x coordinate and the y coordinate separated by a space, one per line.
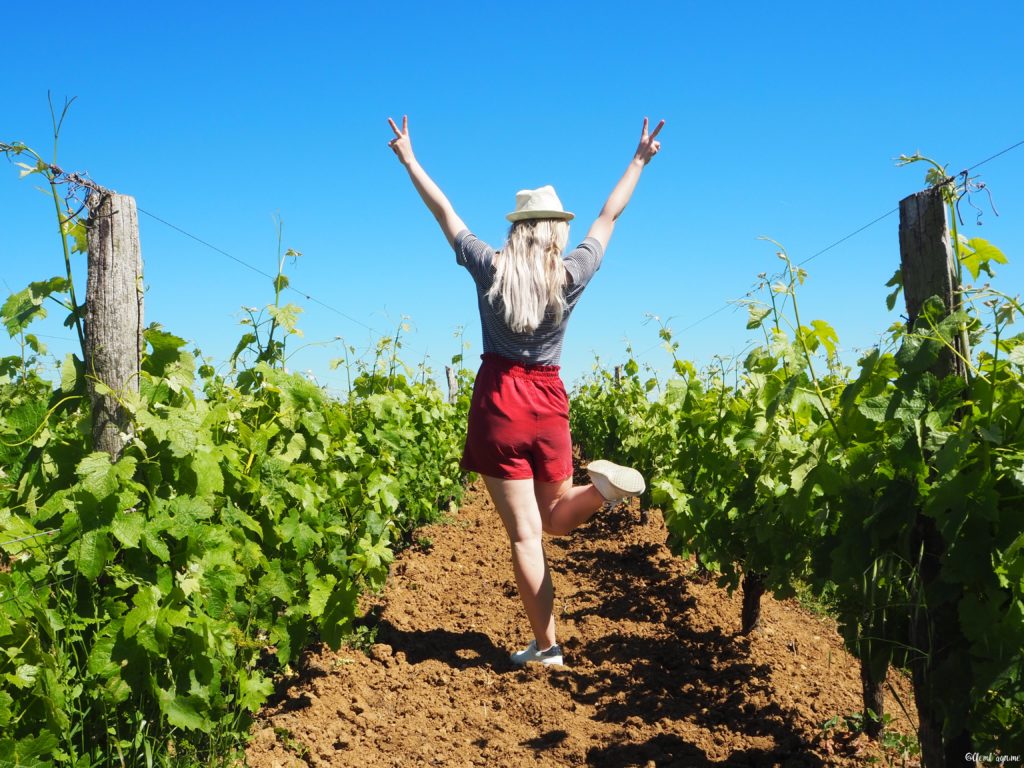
pixel 756 314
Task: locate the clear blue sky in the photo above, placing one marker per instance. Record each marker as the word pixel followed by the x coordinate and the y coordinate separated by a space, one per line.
pixel 783 120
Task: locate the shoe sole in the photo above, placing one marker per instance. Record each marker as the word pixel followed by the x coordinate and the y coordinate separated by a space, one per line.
pixel 626 479
pixel 554 661
pixel 535 658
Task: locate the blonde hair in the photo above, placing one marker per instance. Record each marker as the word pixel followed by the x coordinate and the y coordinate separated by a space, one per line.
pixel 529 274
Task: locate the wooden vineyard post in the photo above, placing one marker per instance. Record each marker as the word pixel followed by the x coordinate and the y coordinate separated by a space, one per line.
pixel 929 269
pixel 453 384
pixel 113 315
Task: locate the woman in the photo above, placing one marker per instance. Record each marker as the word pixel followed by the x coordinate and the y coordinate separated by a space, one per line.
pixel 518 436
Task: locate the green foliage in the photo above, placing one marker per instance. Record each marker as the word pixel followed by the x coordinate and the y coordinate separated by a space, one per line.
pixel 897 748
pixel 977 253
pixel 25 306
pixel 764 466
pixel 148 605
pixel 241 524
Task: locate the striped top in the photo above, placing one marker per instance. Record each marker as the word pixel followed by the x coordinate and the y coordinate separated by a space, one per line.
pixel 544 345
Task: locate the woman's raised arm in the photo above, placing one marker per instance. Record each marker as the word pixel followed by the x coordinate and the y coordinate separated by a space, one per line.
pixel 430 193
pixel 601 229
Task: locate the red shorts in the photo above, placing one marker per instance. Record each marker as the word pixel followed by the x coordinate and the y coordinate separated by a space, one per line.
pixel 518 422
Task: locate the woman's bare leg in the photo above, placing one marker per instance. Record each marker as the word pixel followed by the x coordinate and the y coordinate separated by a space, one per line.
pixel 564 507
pixel 517 507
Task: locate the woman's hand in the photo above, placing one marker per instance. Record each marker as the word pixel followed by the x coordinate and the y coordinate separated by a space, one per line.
pixel 429 192
pixel 602 228
pixel 648 147
pixel 402 144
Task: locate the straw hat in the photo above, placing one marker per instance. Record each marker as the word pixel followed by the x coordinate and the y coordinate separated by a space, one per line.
pixel 540 203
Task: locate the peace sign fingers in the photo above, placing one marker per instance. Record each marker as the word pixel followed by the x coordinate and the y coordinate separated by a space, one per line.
pixel 648 146
pixel 405 126
pixel 657 130
pixel 401 144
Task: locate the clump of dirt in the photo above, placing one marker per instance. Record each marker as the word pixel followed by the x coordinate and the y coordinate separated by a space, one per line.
pixel 656 671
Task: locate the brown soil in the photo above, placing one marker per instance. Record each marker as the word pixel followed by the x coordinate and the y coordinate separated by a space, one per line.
pixel 657 674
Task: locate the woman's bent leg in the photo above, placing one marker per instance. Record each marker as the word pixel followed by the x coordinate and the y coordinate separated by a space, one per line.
pixel 564 507
pixel 517 507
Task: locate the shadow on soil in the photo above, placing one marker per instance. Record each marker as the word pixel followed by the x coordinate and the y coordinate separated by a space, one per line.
pixel 674 672
pixel 670 751
pixel 459 650
pixel 548 740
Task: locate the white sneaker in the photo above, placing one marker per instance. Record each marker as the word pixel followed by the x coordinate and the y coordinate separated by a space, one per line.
pixel 552 655
pixel 615 482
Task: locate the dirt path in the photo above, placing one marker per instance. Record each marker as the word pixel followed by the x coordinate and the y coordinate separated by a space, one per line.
pixel 656 674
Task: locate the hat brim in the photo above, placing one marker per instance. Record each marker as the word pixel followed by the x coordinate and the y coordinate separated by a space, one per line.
pixel 523 215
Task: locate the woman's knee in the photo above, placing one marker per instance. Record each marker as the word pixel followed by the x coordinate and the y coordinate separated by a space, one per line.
pixel 553 529
pixel 526 532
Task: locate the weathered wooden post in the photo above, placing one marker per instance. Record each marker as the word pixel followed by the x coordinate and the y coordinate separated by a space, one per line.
pixel 618 375
pixel 113 314
pixel 929 268
pixel 453 384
